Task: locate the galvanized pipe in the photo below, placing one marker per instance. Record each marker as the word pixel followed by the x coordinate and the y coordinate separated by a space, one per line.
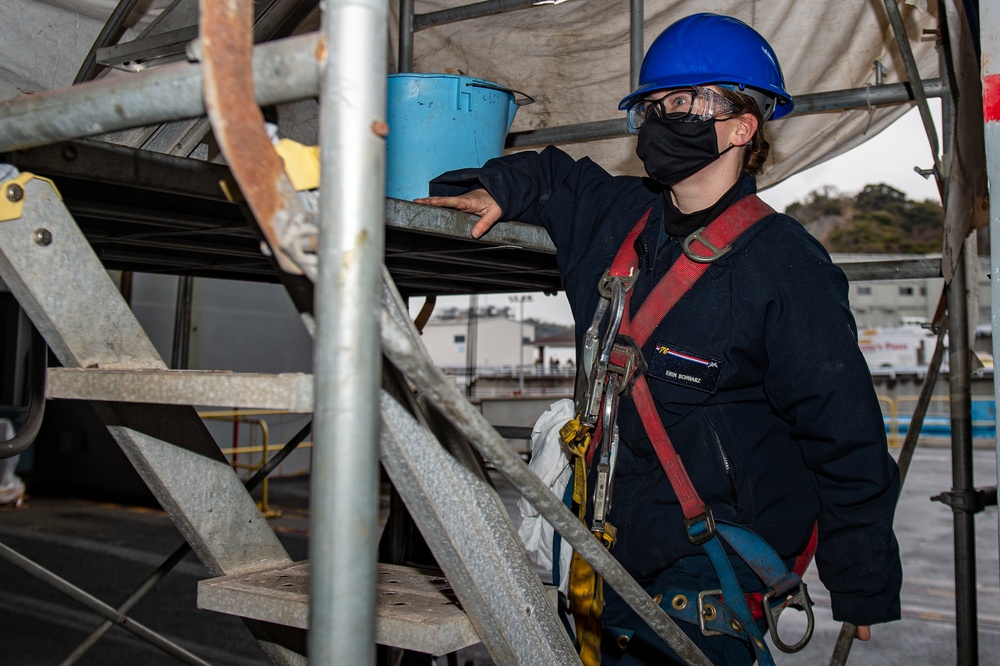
pixel 892 269
pixel 76 594
pixel 862 98
pixel 405 62
pixel 966 611
pixel 913 74
pixel 345 491
pixel 284 71
pixel 837 100
pixel 635 41
pixel 990 38
pixel 475 10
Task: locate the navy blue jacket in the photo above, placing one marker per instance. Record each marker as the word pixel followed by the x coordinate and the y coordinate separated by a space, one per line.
pixel 787 434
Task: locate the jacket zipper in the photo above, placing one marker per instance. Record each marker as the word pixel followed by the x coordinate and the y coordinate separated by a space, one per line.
pixel 728 468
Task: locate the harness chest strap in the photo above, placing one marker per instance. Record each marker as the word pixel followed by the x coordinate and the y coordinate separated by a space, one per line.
pixel 681 276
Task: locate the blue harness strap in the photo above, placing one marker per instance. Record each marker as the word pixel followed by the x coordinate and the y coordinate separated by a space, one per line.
pixel 731 592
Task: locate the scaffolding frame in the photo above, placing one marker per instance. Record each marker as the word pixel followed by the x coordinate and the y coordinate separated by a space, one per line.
pixel 290 70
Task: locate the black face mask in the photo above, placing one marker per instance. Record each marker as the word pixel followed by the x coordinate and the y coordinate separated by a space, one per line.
pixel 673 151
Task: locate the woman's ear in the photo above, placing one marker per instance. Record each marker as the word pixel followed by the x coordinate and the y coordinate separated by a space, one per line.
pixel 745 131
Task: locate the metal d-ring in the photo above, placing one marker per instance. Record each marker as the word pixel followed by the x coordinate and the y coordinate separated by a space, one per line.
pixel 702 259
pixel 799 599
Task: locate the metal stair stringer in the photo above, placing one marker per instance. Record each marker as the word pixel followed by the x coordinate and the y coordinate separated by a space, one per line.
pixel 60 283
pixel 473 540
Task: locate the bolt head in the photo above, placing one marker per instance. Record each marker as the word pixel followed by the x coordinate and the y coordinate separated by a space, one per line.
pixel 14 193
pixel 43 237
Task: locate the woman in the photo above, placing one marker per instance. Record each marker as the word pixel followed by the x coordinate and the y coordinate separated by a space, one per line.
pixel 755 373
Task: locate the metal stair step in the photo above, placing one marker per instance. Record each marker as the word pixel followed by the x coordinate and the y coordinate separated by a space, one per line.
pixel 292 391
pixel 416 609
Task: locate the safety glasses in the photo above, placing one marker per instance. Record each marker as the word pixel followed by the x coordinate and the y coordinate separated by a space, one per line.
pixel 681 105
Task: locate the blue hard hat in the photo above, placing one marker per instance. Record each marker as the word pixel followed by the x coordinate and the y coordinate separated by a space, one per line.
pixel 705 49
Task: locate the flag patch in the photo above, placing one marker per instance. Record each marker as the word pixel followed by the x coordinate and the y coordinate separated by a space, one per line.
pixel 684 367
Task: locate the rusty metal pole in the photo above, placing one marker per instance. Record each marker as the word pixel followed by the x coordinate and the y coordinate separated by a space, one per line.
pixel 345 489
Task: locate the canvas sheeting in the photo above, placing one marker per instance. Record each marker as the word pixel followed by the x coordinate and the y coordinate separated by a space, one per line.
pixel 572 57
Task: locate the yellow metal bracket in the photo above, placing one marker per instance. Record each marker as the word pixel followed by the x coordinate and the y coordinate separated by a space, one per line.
pixel 301 163
pixel 12 194
pixel 301 166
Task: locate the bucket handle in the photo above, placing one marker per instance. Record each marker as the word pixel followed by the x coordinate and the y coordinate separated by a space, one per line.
pixel 524 101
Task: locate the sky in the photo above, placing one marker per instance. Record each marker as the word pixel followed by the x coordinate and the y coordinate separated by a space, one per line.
pixel 886 158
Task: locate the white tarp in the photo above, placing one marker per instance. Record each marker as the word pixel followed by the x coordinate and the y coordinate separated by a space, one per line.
pixel 571 57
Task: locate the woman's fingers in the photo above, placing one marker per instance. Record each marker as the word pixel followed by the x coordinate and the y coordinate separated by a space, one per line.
pixel 489 218
pixel 476 202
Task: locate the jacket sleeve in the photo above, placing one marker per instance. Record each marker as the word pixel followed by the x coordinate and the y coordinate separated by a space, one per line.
pixel 818 381
pixel 586 211
pixel 533 187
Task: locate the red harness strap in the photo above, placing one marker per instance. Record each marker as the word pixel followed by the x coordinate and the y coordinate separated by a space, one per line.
pixel 679 279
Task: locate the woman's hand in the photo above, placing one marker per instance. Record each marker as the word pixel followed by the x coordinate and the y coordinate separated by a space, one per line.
pixel 478 202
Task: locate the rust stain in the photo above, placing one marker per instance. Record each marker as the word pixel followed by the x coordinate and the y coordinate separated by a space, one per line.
pixel 321 50
pixel 227 37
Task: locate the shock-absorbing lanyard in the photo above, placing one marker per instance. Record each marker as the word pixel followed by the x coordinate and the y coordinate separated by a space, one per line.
pixel 784 587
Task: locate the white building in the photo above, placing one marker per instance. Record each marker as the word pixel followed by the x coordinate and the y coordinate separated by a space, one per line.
pixel 496 340
pixel 891 303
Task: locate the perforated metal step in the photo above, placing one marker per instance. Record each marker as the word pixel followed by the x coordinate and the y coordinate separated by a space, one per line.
pixel 290 391
pixel 415 609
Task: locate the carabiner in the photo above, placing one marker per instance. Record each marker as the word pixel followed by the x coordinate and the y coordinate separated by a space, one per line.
pixel 596 368
pixel 797 599
pixel 608 456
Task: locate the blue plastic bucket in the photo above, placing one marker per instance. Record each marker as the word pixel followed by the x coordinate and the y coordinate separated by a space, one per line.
pixel 440 122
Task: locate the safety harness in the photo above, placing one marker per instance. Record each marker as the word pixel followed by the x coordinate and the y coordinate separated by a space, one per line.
pixel 612 365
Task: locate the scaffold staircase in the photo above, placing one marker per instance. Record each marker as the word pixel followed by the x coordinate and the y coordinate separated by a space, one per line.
pixel 108 359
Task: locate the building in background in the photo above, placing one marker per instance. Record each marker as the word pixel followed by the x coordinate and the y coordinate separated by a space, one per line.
pixel 496 342
pixel 893 303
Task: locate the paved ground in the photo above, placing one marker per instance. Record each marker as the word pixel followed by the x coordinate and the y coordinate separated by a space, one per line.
pixel 108 549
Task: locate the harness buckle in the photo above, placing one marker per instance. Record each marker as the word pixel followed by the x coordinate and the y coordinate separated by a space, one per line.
pixel 799 599
pixel 716 253
pixel 708 612
pixel 607 536
pixel 627 360
pixel 604 287
pixel 706 519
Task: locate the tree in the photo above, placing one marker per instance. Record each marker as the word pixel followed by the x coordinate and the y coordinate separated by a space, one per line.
pixel 878 219
pixel 882 197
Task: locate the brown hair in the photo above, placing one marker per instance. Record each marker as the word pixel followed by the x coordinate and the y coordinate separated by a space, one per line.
pixel 758 149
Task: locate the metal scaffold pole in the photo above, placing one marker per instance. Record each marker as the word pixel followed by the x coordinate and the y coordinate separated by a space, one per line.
pixel 961 451
pixel 990 42
pixel 344 501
